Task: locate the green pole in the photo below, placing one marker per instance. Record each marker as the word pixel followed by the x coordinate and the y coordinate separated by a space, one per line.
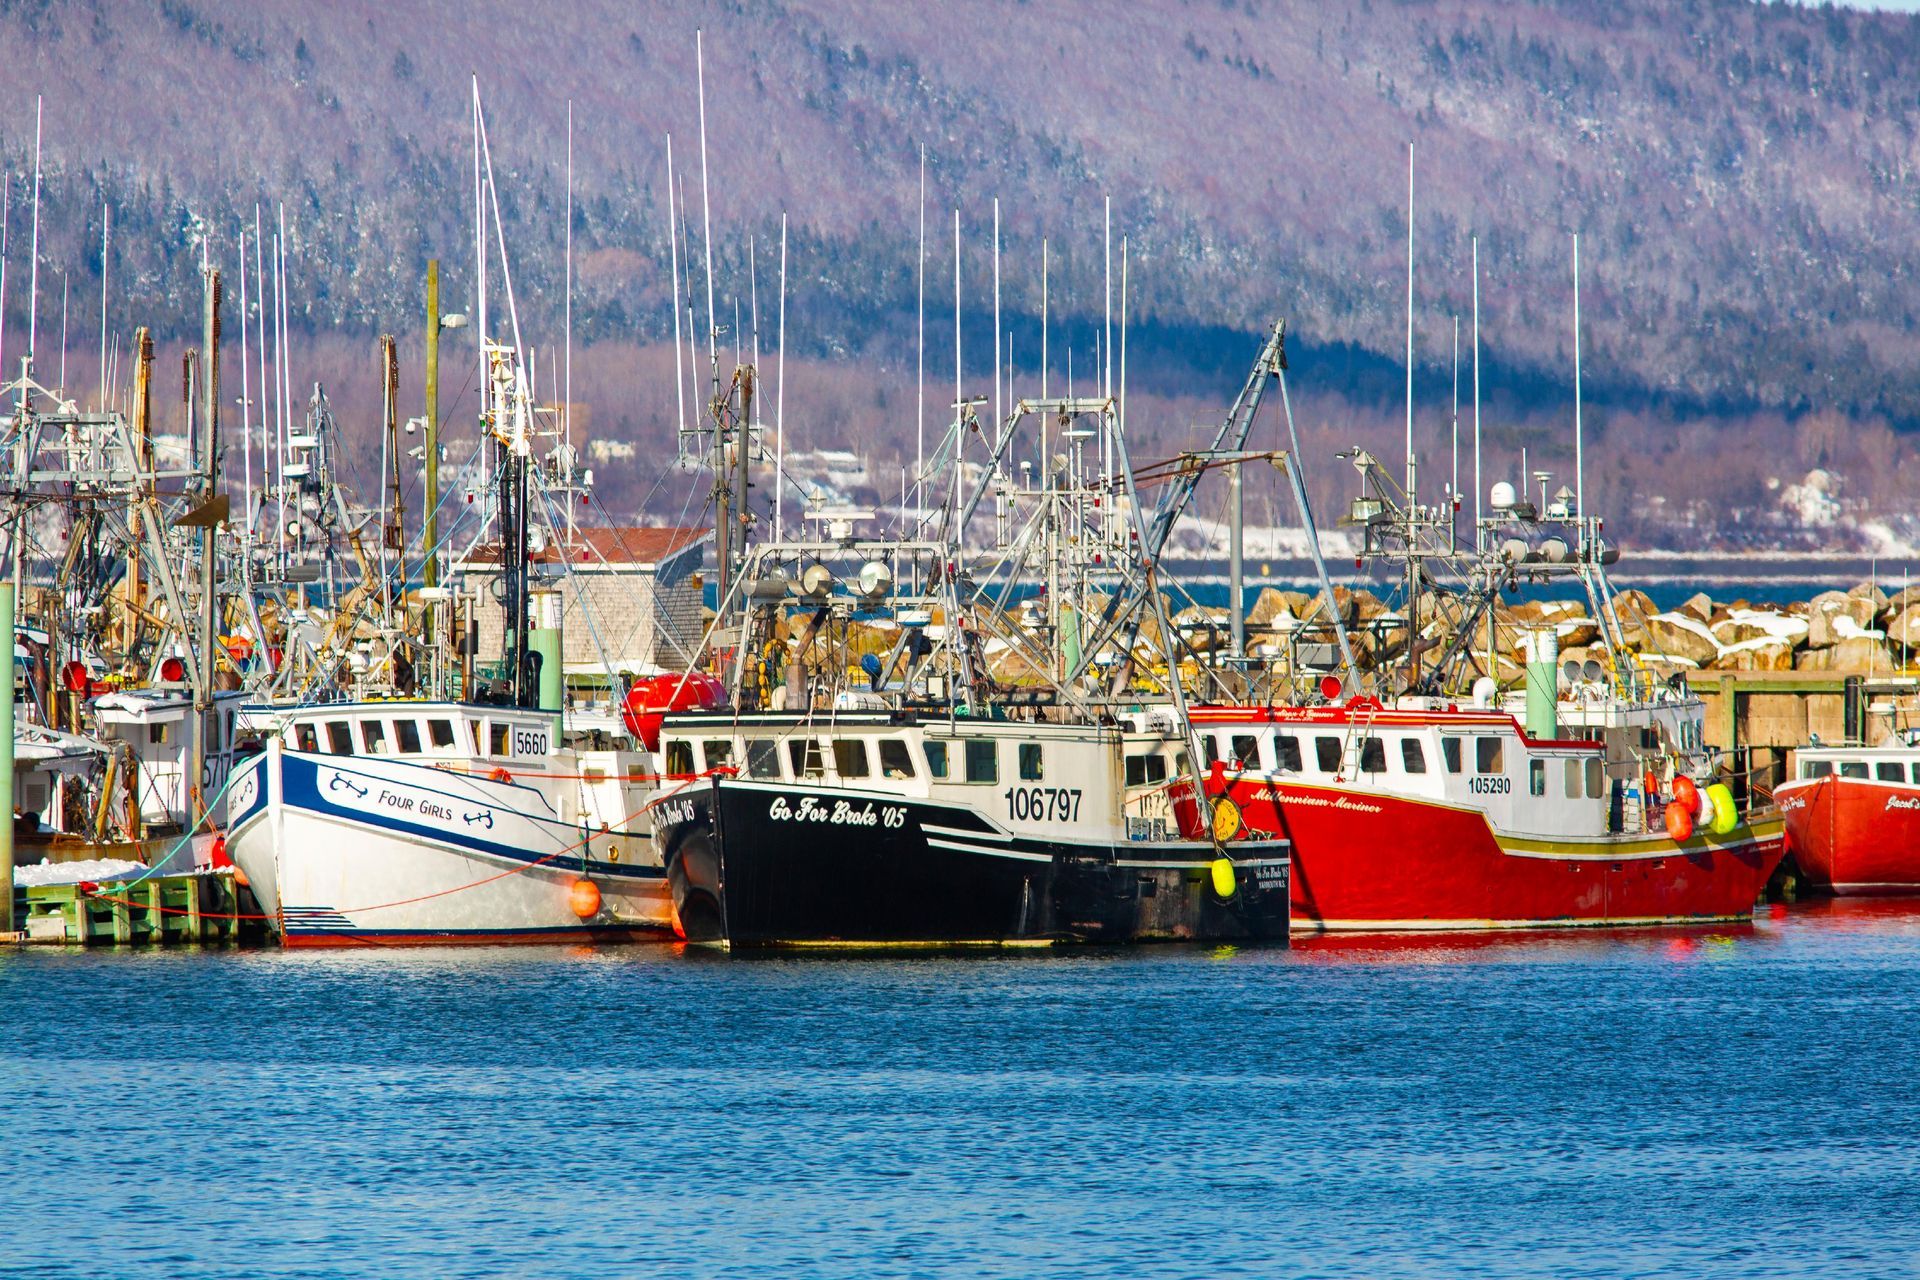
pixel 7 925
pixel 431 487
pixel 545 641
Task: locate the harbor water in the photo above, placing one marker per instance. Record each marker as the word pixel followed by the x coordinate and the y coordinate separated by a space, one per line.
pixel 1727 1102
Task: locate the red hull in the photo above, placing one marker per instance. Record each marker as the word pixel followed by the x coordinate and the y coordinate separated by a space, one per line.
pixel 1381 862
pixel 1852 836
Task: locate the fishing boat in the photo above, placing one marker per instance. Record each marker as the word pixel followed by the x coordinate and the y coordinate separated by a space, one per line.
pixel 1853 817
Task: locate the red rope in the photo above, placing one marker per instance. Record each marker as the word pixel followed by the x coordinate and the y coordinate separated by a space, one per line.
pixel 91 889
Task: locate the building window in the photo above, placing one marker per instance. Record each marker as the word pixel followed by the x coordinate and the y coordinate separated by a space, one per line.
pixel 1031 766
pixel 895 760
pixel 983 760
pixel 1450 748
pixel 1596 778
pixel 1326 754
pixel 406 736
pixel 1373 755
pixel 763 758
pixel 1289 748
pixel 937 759
pixel 804 755
pixel 339 738
pixel 850 757
pixel 1413 756
pixel 1489 755
pixel 1536 777
pixel 440 732
pixel 719 752
pixel 679 759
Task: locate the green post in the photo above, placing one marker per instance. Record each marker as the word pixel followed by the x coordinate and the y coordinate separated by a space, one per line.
pixel 1543 685
pixel 7 923
pixel 431 488
pixel 545 641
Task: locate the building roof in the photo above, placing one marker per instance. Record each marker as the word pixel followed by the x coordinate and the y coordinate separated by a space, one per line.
pixel 622 547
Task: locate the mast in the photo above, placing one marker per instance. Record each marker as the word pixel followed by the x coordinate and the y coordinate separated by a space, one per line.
pixel 430 477
pixel 920 415
pixel 1579 457
pixel 209 530
pixel 780 398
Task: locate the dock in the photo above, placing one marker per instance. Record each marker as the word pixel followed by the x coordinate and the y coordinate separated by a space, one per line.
pixel 156 910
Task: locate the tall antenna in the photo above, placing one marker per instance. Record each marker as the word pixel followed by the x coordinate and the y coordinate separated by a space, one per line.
pixel 753 304
pixel 1454 490
pixel 1409 323
pixel 1106 380
pixel 920 419
pixel 106 226
pixel 780 398
pixel 246 395
pixel 706 216
pixel 1579 458
pixel 1477 494
pixel 33 272
pixel 63 333
pixel 999 405
pixel 959 433
pixel 566 392
pixel 481 332
pixel 6 198
pixel 673 256
pixel 266 397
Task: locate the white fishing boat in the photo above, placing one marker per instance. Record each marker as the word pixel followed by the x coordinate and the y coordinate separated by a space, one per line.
pixel 429 822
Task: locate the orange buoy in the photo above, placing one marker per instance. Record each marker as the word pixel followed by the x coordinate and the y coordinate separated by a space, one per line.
pixel 584 898
pixel 1652 784
pixel 1679 821
pixel 1685 792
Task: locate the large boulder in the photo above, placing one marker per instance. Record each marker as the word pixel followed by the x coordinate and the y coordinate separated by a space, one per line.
pixel 1833 616
pixel 1576 631
pixel 1854 655
pixel 1633 607
pixel 1761 654
pixel 1904 630
pixel 1681 635
pixel 1871 593
pixel 1698 606
pixel 1272 603
pixel 1741 625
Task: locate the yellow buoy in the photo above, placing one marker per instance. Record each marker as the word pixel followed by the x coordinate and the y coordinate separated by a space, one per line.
pixel 1725 816
pixel 1224 883
pixel 1227 820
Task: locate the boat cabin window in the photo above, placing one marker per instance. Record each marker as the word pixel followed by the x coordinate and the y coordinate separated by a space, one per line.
pixel 804 755
pixel 1536 777
pixel 1489 755
pixel 679 758
pixel 1573 779
pixel 373 737
pixel 440 732
pixel 1815 768
pixel 1147 770
pixel 983 760
pixel 763 758
pixel 1413 756
pixel 1450 748
pixel 850 757
pixel 1326 753
pixel 339 738
pixel 406 736
pixel 1289 751
pixel 1596 778
pixel 1246 751
pixel 1853 768
pixel 1031 765
pixel 1373 755
pixel 305 739
pixel 896 761
pixel 1890 771
pixel 937 759
pixel 718 751
pixel 157 735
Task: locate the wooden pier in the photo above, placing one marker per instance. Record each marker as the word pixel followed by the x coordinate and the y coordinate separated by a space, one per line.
pixel 160 910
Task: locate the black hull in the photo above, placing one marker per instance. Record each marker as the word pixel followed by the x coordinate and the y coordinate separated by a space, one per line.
pixel 754 866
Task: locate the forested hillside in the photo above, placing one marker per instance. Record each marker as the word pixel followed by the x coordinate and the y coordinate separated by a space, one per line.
pixel 1743 177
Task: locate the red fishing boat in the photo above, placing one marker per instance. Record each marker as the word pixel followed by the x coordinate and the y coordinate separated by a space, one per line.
pixel 1422 815
pixel 1853 818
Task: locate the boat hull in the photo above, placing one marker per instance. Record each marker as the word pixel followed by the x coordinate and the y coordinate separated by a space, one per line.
pixel 1380 862
pixel 772 865
pixel 1853 836
pixel 373 851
